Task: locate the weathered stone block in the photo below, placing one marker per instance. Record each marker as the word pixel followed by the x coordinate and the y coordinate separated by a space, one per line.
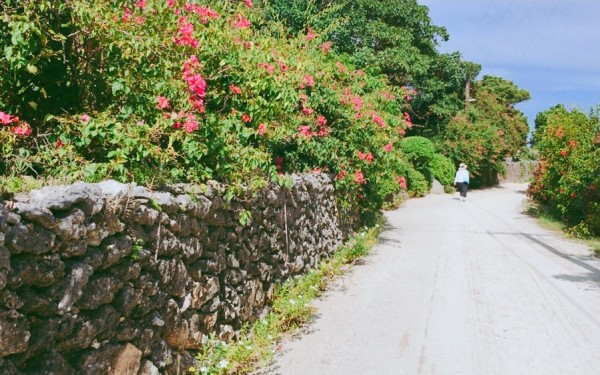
pixel 99 291
pixel 29 239
pixel 14 333
pixel 38 271
pixel 112 359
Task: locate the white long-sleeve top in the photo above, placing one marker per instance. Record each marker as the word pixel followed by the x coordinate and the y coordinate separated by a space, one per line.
pixel 462 175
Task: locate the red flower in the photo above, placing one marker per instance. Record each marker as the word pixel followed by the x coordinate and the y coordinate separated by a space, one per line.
pixel 85 118
pixel 341 175
pixel 236 90
pixel 388 147
pixel 326 47
pixel 563 152
pixel 310 35
pixel 321 120
pixel 170 3
pixel 59 144
pixel 262 129
pixel 162 102
pixel 141 4
pixel 359 177
pixel 559 132
pixel 248 3
pixel 369 158
pixel 572 143
pixel 407 117
pixel 246 118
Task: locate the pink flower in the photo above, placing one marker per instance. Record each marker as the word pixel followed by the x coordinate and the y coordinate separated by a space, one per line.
pixel 5 118
pixel 246 118
pixel 316 170
pixel 236 90
pixel 359 177
pixel 321 120
pixel 304 131
pixel 241 22
pixel 341 67
pixel 191 124
pixel 22 129
pixel 85 118
pixel 326 47
pixel 170 3
pixel 139 20
pixel 357 102
pixel 388 147
pixel 309 80
pixel 163 103
pixel 283 67
pixel 341 175
pixel 307 111
pixel 402 182
pixel 127 15
pixel 310 35
pixel 248 3
pixel 262 129
pixel 197 84
pixel 378 120
pixel 361 155
pixel 141 4
pixel 369 158
pixel 572 143
pixel 303 97
pixel 185 34
pixel 197 103
pixel 407 117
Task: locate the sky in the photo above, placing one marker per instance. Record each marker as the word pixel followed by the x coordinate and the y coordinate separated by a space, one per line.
pixel 549 47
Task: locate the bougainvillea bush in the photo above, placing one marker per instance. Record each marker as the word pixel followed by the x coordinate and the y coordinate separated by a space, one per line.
pixel 568 176
pixel 157 91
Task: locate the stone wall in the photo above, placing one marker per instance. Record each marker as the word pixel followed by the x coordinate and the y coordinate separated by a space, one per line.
pixel 112 278
pixel 518 171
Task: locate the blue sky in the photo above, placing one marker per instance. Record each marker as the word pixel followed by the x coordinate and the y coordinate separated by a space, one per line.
pixel 549 47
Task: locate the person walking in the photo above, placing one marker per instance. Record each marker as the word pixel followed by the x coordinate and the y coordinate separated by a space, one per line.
pixel 461 180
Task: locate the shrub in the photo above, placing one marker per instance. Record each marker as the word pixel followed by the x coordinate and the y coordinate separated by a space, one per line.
pixel 569 172
pixel 442 169
pixel 164 92
pixel 417 183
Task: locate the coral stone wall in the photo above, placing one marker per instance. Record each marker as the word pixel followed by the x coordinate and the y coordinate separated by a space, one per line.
pixel 519 171
pixel 113 278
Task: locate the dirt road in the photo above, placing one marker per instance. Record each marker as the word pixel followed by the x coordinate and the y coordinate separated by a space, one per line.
pixel 473 288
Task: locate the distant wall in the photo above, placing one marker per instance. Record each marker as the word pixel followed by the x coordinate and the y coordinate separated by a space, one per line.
pixel 113 278
pixel 519 171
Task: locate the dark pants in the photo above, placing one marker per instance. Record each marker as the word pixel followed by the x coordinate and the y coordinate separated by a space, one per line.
pixel 462 187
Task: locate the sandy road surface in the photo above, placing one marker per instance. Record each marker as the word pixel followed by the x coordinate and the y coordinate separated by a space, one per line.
pixel 472 288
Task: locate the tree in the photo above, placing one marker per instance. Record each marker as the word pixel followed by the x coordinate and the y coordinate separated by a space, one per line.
pixel 506 91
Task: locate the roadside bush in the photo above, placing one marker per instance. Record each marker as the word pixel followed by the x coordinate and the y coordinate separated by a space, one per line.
pixel 417 183
pixel 442 169
pixel 162 92
pixel 568 176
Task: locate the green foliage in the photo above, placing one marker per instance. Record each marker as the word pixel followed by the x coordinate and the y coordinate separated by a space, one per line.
pixel 483 135
pixel 506 91
pixel 442 169
pixel 419 150
pixel 567 178
pixel 418 185
pixel 138 101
